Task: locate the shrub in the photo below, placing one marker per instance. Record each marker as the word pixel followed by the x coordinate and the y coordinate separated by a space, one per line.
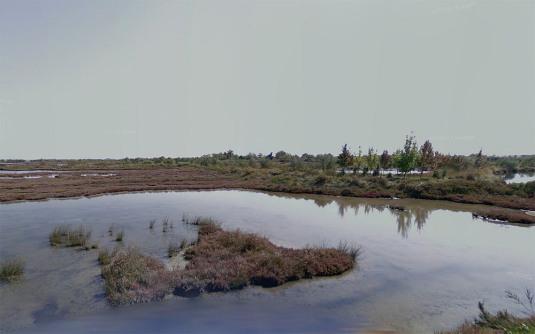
pixel 529 188
pixel 131 277
pixel 11 270
pixel 320 180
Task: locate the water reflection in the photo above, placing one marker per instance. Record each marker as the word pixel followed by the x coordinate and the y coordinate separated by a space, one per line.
pixel 405 215
pixel 406 212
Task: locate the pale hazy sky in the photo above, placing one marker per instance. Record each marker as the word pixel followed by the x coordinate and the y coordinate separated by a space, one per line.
pixel 180 78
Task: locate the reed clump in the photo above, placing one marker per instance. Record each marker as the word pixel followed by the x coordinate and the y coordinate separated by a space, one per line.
pixel 11 270
pixel 68 236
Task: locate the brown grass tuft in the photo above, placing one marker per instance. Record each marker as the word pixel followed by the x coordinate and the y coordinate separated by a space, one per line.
pixel 134 278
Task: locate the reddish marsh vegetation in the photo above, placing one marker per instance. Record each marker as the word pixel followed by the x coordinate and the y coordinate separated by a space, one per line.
pixel 132 277
pixel 223 260
pixel 219 261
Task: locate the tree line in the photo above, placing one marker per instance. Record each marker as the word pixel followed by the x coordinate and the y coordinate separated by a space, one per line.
pixel 407 159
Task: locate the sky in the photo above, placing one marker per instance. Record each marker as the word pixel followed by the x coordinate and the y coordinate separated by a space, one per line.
pixel 129 78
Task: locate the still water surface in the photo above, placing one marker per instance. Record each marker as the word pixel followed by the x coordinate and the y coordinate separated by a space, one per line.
pixel 421 270
pixel 519 178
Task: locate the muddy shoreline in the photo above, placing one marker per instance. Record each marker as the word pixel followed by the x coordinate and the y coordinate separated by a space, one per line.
pixel 90 183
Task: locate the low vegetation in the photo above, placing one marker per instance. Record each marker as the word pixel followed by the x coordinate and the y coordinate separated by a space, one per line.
pixel 67 236
pixel 223 260
pixel 412 171
pixel 119 236
pixel 131 277
pixel 11 270
pixel 218 261
pixel 503 322
pixel 104 257
pixel 175 248
pixel 510 216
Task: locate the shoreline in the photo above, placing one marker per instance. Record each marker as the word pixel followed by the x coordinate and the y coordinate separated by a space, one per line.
pixel 67 185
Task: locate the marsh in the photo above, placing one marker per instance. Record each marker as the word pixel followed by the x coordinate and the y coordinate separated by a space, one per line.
pixel 421 269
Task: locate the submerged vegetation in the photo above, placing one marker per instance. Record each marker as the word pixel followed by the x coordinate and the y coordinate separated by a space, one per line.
pixel 11 270
pixel 67 236
pixel 218 261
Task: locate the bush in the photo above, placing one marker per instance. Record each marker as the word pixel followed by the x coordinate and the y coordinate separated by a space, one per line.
pixel 131 277
pixel 320 180
pixel 529 188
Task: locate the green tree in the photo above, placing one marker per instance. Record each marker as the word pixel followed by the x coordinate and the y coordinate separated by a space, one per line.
pixel 372 161
pixel 407 158
pixel 357 161
pixel 283 156
pixel 345 158
pixel 327 162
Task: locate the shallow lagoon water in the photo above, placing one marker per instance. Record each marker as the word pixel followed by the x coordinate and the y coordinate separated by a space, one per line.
pixel 422 269
pixel 519 178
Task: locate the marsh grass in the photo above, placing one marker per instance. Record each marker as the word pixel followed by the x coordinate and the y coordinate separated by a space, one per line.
pixel 218 261
pixel 226 260
pixel 131 277
pixel 165 224
pixel 349 249
pixel 119 236
pixel 104 257
pixel 175 248
pixel 502 322
pixel 196 221
pixel 67 236
pixel 11 270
